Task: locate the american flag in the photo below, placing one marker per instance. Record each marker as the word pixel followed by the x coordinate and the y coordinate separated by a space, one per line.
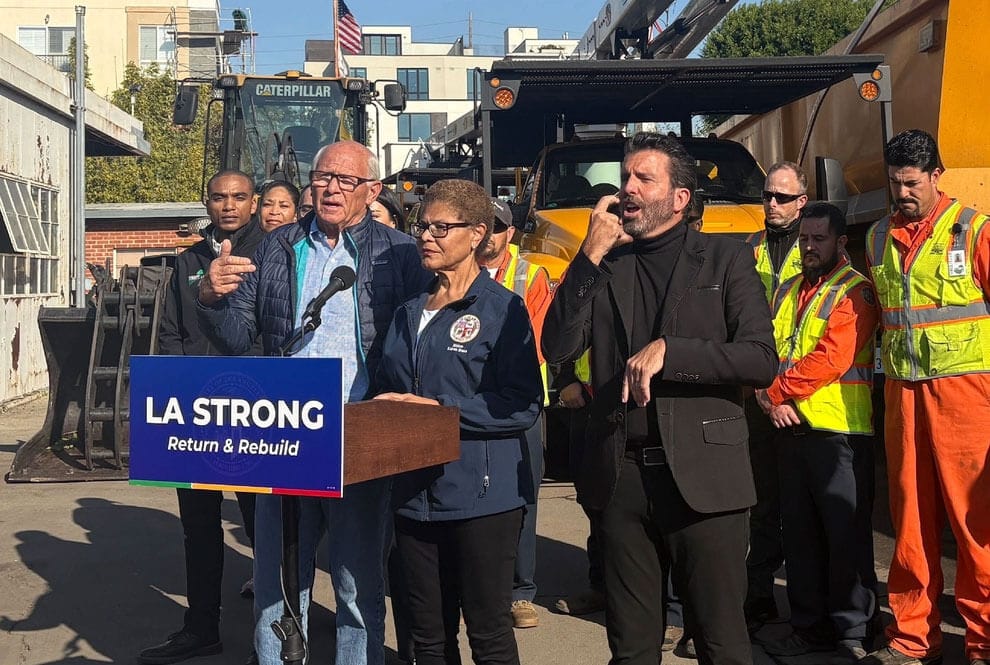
pixel 347 30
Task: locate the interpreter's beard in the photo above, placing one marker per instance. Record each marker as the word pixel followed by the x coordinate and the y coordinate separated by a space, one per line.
pixel 652 216
pixel 820 268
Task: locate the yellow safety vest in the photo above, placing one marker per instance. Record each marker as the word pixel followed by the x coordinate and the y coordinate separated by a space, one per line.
pixel 582 368
pixel 936 319
pixel 845 405
pixel 519 274
pixel 764 266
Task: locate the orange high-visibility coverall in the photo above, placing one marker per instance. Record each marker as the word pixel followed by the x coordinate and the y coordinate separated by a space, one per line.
pixel 937 435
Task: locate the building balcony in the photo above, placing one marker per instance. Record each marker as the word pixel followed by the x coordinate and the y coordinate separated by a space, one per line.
pixel 58 61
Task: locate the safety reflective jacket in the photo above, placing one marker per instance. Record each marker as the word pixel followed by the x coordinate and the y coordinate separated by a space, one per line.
pixel 518 277
pixel 936 319
pixel 788 269
pixel 845 405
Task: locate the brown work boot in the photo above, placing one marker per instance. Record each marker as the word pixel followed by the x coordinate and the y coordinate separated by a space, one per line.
pixel 582 603
pixel 671 637
pixel 524 614
pixel 891 656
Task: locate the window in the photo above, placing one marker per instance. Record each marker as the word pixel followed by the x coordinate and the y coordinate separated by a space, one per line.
pixel 416 82
pixel 382 44
pixel 46 40
pixel 29 238
pixel 472 85
pixel 359 72
pixel 414 126
pixel 156 44
pixel 419 126
pixel 50 43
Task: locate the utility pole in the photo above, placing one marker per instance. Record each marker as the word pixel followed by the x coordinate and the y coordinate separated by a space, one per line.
pixel 77 236
pixel 470 30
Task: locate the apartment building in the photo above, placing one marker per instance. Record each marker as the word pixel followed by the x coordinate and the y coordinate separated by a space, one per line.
pixel 183 36
pixel 440 80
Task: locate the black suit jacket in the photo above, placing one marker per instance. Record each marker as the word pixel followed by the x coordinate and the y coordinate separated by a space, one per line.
pixel 719 336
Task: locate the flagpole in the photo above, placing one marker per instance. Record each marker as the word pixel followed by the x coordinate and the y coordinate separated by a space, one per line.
pixel 336 41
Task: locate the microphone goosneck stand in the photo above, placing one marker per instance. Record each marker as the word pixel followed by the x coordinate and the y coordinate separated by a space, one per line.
pixel 288 629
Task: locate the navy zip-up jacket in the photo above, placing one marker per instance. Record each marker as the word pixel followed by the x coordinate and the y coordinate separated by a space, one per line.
pixel 478 354
pixel 389 271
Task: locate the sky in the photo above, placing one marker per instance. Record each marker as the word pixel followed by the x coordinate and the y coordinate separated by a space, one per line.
pixel 282 33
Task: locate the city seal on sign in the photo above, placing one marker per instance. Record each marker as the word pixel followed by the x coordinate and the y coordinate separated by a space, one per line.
pixel 465 328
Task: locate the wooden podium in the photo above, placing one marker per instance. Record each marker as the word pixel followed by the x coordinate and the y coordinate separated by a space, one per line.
pixel 383 438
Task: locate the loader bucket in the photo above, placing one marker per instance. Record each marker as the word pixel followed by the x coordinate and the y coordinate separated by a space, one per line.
pixel 86 430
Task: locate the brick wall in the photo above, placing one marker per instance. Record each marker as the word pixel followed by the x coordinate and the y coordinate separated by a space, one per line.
pixel 104 236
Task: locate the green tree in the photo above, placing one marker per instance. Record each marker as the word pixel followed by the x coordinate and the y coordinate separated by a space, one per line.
pixel 782 28
pixel 87 75
pixel 174 170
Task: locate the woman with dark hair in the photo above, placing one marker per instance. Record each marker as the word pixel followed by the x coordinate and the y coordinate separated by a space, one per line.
pixel 388 210
pixel 465 342
pixel 278 201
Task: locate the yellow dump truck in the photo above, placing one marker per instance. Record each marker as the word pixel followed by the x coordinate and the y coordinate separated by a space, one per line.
pixel 532 113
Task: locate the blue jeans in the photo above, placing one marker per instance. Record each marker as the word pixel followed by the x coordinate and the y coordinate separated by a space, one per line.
pixel 523 579
pixel 356 537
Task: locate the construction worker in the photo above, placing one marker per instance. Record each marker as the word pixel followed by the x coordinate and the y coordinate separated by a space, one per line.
pixel 825 320
pixel 930 261
pixel 532 283
pixel 778 259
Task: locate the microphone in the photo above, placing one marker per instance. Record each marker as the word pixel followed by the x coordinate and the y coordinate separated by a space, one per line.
pixel 341 279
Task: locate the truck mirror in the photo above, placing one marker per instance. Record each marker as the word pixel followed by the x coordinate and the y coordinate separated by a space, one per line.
pixel 395 97
pixel 830 183
pixel 186 104
pixel 520 218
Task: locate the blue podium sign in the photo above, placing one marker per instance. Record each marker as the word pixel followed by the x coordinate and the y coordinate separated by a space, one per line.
pixel 269 425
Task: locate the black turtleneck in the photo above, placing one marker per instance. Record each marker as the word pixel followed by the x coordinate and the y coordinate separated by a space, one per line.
pixel 780 241
pixel 653 261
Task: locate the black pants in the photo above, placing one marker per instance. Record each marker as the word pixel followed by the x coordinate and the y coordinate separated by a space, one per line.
pixel 464 562
pixel 766 550
pixel 199 512
pixel 646 524
pixel 826 486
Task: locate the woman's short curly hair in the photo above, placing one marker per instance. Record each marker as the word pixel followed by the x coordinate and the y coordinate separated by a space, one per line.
pixel 467 199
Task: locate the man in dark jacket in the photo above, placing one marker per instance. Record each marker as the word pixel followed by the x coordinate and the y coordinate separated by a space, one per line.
pixel 230 204
pixel 678 324
pixel 240 299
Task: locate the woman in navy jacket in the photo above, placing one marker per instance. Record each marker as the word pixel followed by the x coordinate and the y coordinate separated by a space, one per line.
pixel 465 342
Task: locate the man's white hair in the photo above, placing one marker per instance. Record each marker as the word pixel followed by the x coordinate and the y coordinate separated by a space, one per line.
pixel 373 171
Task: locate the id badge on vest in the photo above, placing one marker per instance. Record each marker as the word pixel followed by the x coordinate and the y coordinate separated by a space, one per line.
pixel 957 263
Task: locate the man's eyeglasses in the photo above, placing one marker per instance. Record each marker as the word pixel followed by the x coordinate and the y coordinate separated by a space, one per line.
pixel 780 196
pixel 347 183
pixel 437 229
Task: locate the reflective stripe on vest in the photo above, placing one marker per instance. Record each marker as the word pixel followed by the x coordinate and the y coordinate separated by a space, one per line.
pixel 764 266
pixel 936 319
pixel 845 405
pixel 519 274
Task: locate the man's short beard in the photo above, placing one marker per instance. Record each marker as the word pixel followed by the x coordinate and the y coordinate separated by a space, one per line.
pixel 812 275
pixel 651 217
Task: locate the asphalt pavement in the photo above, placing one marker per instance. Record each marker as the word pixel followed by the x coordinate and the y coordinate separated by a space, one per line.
pixel 92 572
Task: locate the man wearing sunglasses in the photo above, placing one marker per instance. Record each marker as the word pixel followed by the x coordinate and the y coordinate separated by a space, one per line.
pixel 531 283
pixel 241 298
pixel 778 259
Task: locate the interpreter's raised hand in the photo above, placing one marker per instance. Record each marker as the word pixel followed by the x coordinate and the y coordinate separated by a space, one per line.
pixel 640 370
pixel 785 415
pixel 605 231
pixel 224 275
pixel 407 397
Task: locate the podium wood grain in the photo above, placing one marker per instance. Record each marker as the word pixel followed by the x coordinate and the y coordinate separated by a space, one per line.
pixel 383 438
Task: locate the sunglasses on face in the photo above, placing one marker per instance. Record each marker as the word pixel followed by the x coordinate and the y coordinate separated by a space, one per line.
pixel 780 197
